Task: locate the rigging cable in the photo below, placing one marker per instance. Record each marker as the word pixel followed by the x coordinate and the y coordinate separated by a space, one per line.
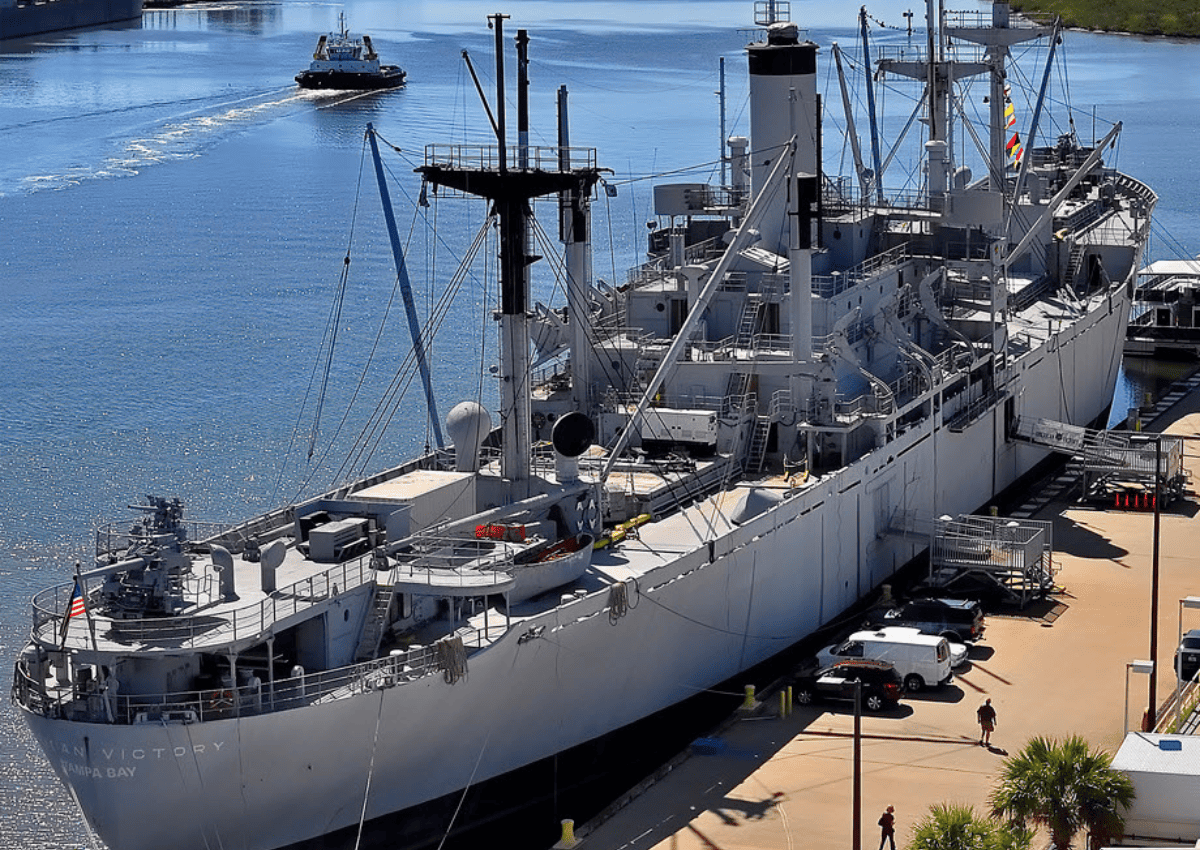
pixel 330 336
pixel 373 431
pixel 362 818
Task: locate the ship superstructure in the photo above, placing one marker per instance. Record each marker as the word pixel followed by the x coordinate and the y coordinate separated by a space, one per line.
pixel 740 437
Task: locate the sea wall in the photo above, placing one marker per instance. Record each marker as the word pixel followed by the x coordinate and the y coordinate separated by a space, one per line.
pixel 22 18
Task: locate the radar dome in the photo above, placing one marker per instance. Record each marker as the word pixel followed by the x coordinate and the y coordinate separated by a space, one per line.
pixel 468 425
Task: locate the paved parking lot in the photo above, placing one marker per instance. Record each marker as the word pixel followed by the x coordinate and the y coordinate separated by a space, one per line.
pixel 1061 669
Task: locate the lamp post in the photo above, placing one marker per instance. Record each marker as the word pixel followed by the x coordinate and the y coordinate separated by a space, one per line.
pixel 856 808
pixel 1138 666
pixel 1152 710
pixel 1186 602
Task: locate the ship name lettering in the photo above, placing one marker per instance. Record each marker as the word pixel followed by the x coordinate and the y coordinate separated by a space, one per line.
pixel 89 772
pixel 140 754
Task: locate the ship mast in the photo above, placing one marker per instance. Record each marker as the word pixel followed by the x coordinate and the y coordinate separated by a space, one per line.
pixel 997 39
pixel 511 188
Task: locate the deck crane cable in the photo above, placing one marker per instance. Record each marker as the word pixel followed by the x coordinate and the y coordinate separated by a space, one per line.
pixel 370 438
pixel 697 168
pixel 378 337
pixel 405 369
pixel 362 818
pixel 200 776
pixel 431 325
pixel 330 338
pixel 372 433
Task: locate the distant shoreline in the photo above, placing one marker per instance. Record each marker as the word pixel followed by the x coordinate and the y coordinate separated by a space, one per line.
pixel 1158 18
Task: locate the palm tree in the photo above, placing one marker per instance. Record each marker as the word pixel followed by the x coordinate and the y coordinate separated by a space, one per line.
pixel 955 826
pixel 1065 787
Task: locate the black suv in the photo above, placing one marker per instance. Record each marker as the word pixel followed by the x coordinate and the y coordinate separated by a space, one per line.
pixel 1187 655
pixel 956 619
pixel 881 684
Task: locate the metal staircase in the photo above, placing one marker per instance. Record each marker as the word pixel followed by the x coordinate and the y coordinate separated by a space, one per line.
pixel 736 390
pixel 1073 264
pixel 1014 556
pixel 377 618
pixel 758 444
pixel 1112 463
pixel 748 324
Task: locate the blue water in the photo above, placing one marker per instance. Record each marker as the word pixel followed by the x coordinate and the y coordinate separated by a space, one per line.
pixel 174 214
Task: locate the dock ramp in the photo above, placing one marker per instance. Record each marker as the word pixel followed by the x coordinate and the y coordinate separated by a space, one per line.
pixel 1113 464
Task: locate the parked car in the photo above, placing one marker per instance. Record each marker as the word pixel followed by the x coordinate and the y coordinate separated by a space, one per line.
pixel 881 684
pixel 958 619
pixel 921 660
pixel 1187 655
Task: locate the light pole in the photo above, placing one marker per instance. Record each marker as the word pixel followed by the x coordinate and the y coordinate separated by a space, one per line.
pixel 1152 710
pixel 1186 602
pixel 1140 667
pixel 856 808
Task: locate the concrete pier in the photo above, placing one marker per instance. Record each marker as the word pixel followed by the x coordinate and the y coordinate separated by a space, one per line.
pixel 766 782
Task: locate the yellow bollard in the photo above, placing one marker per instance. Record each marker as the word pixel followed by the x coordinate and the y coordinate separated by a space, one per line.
pixel 568 835
pixel 994 511
pixel 783 703
pixel 748 702
pixel 789 700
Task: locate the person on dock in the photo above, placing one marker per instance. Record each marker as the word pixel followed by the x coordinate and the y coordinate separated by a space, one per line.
pixel 987 722
pixel 887 827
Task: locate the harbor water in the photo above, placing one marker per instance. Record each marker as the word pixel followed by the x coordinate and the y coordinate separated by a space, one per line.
pixel 177 218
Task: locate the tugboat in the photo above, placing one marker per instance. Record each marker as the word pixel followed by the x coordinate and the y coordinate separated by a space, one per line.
pixel 342 62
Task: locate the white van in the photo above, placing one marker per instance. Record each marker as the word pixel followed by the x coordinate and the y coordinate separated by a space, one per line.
pixel 923 660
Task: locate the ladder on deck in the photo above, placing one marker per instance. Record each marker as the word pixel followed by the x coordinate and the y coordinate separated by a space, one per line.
pixel 735 393
pixel 1073 264
pixel 749 322
pixel 758 444
pixel 376 620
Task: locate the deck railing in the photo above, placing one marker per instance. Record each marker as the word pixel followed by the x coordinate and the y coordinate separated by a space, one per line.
pixel 196 629
pixel 98 701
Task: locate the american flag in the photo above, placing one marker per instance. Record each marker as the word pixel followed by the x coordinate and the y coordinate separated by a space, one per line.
pixel 74 608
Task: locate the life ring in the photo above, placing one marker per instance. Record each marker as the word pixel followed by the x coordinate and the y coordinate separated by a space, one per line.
pixel 220 700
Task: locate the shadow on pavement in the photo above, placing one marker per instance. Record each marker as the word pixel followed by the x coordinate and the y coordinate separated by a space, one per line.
pixel 950 693
pixel 1074 539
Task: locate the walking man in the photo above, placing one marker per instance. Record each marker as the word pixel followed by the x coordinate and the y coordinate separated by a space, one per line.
pixel 987 722
pixel 887 826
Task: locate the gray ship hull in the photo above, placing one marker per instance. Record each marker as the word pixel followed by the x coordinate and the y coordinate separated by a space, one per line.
pixel 770 582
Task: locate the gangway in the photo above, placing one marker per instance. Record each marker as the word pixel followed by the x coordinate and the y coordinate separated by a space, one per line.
pixel 1113 464
pixel 1013 555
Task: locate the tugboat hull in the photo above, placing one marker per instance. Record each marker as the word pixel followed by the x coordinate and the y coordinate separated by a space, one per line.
pixel 389 77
